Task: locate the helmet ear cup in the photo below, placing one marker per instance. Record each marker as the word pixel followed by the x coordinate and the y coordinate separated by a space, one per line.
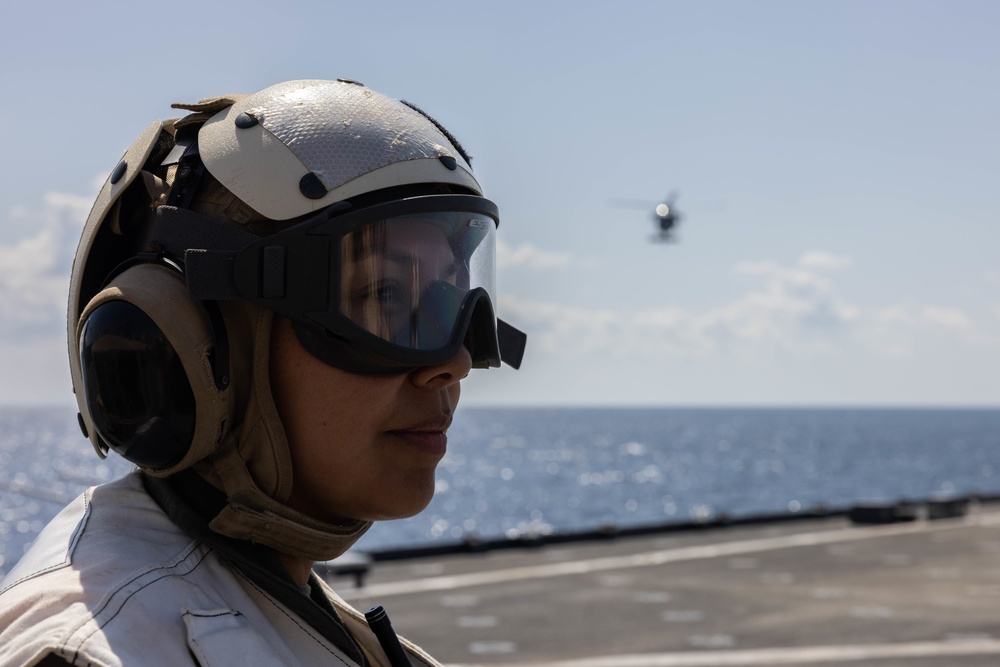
pixel 135 386
pixel 148 390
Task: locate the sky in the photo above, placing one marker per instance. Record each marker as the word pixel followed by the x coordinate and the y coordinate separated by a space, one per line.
pixel 836 164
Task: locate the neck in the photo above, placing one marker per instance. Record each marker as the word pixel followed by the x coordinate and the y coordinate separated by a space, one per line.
pixel 299 568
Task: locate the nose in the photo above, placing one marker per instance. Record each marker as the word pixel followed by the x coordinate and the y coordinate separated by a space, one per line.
pixel 445 374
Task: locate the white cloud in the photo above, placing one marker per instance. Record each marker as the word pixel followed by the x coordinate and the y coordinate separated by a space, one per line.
pixel 954 319
pixel 569 328
pixel 818 260
pixel 796 313
pixel 34 270
pixel 794 300
pixel 906 319
pixel 35 372
pixel 528 256
pixel 97 182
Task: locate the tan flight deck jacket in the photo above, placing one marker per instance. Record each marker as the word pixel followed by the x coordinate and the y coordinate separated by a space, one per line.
pixel 112 582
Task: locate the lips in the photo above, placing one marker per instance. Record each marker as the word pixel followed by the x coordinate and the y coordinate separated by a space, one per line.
pixel 433 442
pixel 430 436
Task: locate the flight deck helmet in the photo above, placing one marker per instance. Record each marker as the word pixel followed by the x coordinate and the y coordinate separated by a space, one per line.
pixel 354 215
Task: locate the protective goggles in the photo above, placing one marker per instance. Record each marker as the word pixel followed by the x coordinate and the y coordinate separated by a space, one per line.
pixel 376 290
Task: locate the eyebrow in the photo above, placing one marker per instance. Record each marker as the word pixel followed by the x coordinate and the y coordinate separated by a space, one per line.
pixel 401 258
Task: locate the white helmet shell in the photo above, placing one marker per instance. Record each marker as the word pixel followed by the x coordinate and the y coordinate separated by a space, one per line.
pixel 300 146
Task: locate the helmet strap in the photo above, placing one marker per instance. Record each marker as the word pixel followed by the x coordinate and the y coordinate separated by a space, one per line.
pixel 252 515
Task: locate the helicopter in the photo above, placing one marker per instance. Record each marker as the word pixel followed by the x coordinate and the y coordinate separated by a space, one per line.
pixel 665 215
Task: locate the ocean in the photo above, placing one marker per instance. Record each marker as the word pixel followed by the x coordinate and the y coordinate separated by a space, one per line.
pixel 516 472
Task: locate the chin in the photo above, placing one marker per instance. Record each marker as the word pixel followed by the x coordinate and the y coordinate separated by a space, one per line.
pixel 403 511
pixel 404 506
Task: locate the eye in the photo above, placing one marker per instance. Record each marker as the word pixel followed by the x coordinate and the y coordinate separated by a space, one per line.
pixel 386 292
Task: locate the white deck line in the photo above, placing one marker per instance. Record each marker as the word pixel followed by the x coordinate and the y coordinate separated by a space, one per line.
pixel 660 557
pixel 799 655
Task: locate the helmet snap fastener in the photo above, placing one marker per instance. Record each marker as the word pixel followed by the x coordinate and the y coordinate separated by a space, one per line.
pixel 311 186
pixel 119 171
pixel 245 120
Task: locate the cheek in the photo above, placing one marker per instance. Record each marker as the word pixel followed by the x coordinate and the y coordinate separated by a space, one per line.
pixel 356 474
pixel 326 434
pixel 323 422
pixel 346 463
pixel 308 395
pixel 311 397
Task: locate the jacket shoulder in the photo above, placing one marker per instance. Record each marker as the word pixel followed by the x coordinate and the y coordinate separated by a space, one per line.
pixel 99 536
pixel 110 547
pixel 112 582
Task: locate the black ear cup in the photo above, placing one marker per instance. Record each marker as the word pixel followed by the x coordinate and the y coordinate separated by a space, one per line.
pixel 148 370
pixel 137 393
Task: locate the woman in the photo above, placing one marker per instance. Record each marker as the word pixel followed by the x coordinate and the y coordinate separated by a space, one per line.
pixel 272 306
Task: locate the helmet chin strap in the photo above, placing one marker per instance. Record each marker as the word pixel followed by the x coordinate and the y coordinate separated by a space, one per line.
pixel 252 515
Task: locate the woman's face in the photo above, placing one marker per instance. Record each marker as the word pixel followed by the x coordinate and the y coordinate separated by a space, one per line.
pixel 388 276
pixel 362 447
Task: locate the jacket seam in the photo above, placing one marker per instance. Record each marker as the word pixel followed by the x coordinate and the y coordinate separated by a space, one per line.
pixel 292 618
pixel 165 572
pixel 71 547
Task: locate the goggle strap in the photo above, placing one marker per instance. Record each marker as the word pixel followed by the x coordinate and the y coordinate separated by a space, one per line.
pixel 209 275
pixel 207 245
pixel 178 229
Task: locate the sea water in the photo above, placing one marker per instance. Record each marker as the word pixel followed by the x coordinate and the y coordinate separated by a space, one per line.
pixel 513 472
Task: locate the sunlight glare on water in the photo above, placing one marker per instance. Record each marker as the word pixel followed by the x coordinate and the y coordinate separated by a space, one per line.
pixel 523 472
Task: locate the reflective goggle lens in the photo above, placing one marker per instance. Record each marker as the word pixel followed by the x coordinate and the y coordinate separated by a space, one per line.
pixel 405 279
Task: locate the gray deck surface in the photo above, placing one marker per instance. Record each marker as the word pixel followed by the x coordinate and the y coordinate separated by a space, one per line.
pixel 811 592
